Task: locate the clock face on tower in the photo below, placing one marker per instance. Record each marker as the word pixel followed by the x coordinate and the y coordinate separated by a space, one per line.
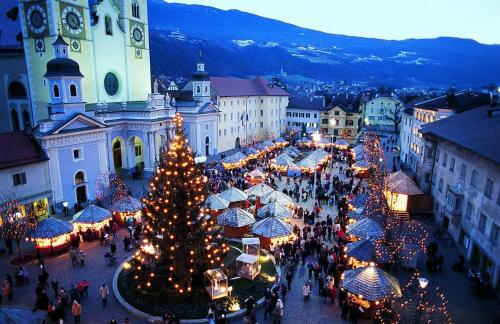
pixel 36 19
pixel 72 21
pixel 137 35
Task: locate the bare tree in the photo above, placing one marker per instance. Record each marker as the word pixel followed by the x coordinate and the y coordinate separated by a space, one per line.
pixel 394 115
pixel 16 220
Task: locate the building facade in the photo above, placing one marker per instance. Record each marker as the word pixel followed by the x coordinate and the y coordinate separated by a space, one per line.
pixel 304 112
pixel 24 172
pixel 462 173
pixel 93 33
pixel 436 109
pixel 343 118
pixel 406 135
pixel 381 112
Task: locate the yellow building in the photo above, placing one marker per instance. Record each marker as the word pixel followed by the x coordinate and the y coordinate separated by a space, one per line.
pixel 344 119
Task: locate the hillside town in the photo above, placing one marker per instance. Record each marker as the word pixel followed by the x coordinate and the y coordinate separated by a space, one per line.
pixel 130 197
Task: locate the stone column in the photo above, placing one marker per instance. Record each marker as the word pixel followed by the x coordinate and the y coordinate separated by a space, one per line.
pixel 55 175
pixel 152 150
pixel 103 157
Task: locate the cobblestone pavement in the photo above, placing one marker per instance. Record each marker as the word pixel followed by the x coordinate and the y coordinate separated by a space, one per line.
pixel 95 271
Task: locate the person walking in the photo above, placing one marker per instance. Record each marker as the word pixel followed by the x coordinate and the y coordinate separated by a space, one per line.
pixel 113 246
pixel 7 289
pixel 55 286
pixel 278 312
pixel 289 277
pixel 104 293
pixel 76 310
pixel 306 290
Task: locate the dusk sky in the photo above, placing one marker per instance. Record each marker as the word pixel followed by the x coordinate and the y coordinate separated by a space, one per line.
pixel 387 19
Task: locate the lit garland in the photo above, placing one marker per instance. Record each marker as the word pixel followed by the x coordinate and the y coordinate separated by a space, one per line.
pixel 404 240
pixel 417 305
pixel 110 188
pixel 177 244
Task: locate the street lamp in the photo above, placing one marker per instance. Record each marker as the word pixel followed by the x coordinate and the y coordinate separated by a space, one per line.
pixel 316 137
pixel 65 209
pixel 423 282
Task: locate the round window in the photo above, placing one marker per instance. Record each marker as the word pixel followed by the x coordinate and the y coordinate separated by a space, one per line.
pixel 111 84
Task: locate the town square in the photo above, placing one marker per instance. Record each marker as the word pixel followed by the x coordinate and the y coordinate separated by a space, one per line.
pixel 132 191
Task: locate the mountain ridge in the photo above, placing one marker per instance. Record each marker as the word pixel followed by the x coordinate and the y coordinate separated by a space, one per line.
pixel 240 37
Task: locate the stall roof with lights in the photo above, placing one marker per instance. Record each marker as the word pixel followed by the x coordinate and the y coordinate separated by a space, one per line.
pixel 371 283
pixel 92 214
pixel 126 204
pixel 366 228
pixel 272 227
pixel 51 227
pixel 259 190
pixel 284 160
pixel 234 158
pixel 277 196
pixel 368 250
pixel 399 182
pixel 214 202
pixel 233 195
pixel 275 209
pixel 235 217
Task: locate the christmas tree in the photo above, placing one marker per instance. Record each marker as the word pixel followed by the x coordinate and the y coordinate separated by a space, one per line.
pixel 16 220
pixel 178 245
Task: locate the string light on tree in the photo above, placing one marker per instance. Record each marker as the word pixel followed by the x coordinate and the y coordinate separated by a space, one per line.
pixel 177 246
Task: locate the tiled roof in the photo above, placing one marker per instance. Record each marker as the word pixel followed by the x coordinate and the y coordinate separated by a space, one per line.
pixel 234 87
pixel 18 149
pixel 307 103
pixel 473 129
pixel 346 102
pixel 456 101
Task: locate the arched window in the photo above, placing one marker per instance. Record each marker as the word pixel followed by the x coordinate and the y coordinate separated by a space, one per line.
pixel 135 10
pixel 206 89
pixel 15 120
pixel 207 146
pixel 198 89
pixel 79 177
pixel 72 90
pixel 109 25
pixel 56 91
pixel 26 119
pixel 16 90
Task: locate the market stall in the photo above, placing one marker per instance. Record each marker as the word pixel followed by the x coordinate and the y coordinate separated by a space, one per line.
pixel 236 160
pixel 362 252
pixel 365 228
pixel 51 236
pixel 401 192
pixel 368 286
pixel 259 190
pixel 91 217
pixel 269 145
pixel 272 230
pixel 255 176
pixel 341 144
pixel 281 142
pixel 279 197
pixel 216 283
pixel 361 168
pixel 252 153
pixel 236 221
pixel 235 197
pixel 127 210
pixel 307 165
pixel 282 163
pixel 304 142
pixel 358 202
pixel 275 209
pixel 358 152
pixel 216 205
pixel 291 151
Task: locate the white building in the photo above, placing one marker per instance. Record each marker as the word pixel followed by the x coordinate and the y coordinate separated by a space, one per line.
pixel 405 134
pixel 461 170
pixel 249 110
pixel 435 109
pixel 305 112
pixel 24 172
